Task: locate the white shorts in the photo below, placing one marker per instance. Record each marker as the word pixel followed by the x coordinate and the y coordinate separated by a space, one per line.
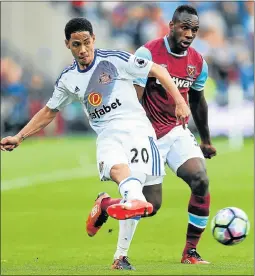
pixel 136 150
pixel 178 146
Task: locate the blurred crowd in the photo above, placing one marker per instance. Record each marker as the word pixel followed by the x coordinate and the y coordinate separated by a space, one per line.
pixel 225 39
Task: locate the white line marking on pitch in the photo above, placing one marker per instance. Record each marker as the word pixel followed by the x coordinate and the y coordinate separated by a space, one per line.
pixel 87 170
pixel 49 177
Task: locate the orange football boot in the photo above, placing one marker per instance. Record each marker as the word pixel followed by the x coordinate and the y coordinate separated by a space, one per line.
pixel 97 217
pixel 192 257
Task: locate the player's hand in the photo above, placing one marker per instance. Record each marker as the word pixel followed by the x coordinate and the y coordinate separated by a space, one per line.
pixel 208 150
pixel 182 112
pixel 10 142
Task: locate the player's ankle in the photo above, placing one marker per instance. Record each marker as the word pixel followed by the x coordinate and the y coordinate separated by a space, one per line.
pixel 106 202
pixel 187 248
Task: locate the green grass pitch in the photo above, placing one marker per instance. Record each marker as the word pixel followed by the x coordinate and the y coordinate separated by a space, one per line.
pixel 48 187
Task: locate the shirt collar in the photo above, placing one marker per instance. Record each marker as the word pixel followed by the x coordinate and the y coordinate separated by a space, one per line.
pixel 169 50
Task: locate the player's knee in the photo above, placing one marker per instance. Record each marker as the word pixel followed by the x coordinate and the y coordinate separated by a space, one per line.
pixel 119 172
pixel 199 183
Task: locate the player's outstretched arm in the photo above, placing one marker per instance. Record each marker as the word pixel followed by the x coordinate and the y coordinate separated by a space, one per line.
pixel 182 110
pixel 139 91
pixel 199 110
pixel 40 120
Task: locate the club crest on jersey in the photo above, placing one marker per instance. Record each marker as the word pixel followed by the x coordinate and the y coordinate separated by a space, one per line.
pixel 140 62
pixel 105 78
pixel 191 70
pixel 95 98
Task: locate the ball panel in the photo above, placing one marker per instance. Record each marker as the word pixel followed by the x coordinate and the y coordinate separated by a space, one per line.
pixel 239 213
pixel 224 217
pixel 237 228
pixel 222 235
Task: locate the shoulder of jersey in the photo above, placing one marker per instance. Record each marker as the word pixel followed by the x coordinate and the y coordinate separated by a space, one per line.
pixel 155 44
pixel 108 54
pixel 193 52
pixel 68 69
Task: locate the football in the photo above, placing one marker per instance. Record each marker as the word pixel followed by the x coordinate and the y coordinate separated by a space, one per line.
pixel 230 226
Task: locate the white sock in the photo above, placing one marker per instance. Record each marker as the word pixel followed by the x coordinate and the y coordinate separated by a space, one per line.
pixel 126 232
pixel 131 188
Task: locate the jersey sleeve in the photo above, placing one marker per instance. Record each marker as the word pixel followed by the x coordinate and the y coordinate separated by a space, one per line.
pixel 134 67
pixel 199 83
pixel 142 52
pixel 61 97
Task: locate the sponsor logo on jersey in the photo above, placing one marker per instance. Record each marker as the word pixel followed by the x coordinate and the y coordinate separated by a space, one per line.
pixel 191 70
pixel 95 98
pixel 182 83
pixel 140 62
pixel 105 78
pixel 98 113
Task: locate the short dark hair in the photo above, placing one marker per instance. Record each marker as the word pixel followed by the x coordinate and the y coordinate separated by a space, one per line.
pixel 78 24
pixel 183 8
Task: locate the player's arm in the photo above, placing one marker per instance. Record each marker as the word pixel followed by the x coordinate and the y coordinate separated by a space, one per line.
pixel 140 83
pixel 182 110
pixel 139 91
pixel 135 67
pixel 199 111
pixel 161 73
pixel 40 120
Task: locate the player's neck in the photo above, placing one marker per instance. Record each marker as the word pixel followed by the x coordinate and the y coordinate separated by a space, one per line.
pixel 85 66
pixel 173 48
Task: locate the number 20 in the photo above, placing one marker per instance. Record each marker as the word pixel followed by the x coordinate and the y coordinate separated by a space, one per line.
pixel 144 155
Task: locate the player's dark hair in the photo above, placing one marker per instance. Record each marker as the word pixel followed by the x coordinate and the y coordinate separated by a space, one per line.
pixel 78 24
pixel 183 8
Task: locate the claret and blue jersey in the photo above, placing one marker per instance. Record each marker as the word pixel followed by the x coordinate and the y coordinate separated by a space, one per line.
pixel 188 71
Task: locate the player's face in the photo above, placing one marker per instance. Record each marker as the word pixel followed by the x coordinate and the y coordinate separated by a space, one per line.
pixel 81 45
pixel 183 32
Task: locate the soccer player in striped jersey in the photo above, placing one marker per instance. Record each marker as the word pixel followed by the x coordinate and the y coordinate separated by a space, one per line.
pixel 102 81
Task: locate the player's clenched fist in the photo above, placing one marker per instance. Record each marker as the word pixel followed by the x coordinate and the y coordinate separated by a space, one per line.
pixel 208 150
pixel 10 142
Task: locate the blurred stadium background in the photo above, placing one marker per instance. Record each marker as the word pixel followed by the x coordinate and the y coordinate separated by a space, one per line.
pixel 42 226
pixel 33 55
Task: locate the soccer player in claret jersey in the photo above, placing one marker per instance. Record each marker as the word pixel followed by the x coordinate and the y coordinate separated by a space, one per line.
pixel 177 145
pixel 102 81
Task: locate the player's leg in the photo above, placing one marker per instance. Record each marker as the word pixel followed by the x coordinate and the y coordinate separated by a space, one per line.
pixel 127 228
pixel 144 160
pixel 193 172
pixel 153 194
pixel 131 189
pixel 186 160
pixel 113 164
pixel 133 204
